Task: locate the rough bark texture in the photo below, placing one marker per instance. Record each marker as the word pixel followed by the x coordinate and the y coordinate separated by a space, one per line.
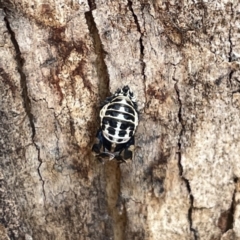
pixel 60 59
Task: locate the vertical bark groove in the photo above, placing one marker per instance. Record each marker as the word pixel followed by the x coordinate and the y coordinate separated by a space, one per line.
pixel 230 58
pixel 130 5
pixel 230 48
pixel 23 81
pixel 101 66
pixel 230 37
pixel 230 220
pixel 226 219
pixel 26 100
pixel 139 30
pixel 194 231
pixel 112 174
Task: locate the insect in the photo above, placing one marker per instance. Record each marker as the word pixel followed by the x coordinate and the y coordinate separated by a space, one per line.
pixel 118 120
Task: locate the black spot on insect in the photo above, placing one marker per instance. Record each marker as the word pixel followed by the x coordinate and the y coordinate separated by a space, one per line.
pixel 113 123
pixel 125 125
pixel 128 109
pixel 112 113
pixel 128 117
pixel 111 131
pixel 109 121
pixel 114 107
pixel 122 133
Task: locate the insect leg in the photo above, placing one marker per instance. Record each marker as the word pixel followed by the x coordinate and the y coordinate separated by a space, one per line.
pixel 127 152
pixel 98 142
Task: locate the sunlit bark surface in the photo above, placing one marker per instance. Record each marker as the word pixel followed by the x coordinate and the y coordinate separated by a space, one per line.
pixel 60 59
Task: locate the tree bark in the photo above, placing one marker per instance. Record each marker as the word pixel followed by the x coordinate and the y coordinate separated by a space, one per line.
pixel 60 59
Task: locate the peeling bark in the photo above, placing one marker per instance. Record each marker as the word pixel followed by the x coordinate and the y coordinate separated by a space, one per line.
pixel 59 60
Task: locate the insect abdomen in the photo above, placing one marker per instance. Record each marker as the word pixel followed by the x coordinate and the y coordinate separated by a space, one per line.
pixel 118 120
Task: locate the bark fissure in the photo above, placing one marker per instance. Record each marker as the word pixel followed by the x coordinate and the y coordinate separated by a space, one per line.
pixel 110 179
pixel 130 5
pixel 230 47
pixel 226 219
pixel 230 58
pixel 139 30
pixel 26 100
pixel 23 82
pixel 230 219
pixel 194 231
pixel 101 67
pixel 230 37
pixel 39 171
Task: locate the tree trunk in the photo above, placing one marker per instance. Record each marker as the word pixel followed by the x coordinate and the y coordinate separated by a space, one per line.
pixel 60 59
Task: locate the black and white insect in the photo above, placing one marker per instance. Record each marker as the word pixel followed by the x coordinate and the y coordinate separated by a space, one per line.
pixel 118 120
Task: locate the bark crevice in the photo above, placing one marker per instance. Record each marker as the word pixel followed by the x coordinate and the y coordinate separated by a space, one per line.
pixel 111 176
pixel 230 54
pixel 230 37
pixel 139 30
pixel 39 171
pixel 23 82
pixel 25 96
pixel 230 217
pixel 130 5
pixel 187 183
pixel 226 219
pixel 101 67
pixel 230 47
pixel 233 206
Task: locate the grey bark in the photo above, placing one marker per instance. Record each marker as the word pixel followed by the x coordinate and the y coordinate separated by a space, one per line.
pixel 60 59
